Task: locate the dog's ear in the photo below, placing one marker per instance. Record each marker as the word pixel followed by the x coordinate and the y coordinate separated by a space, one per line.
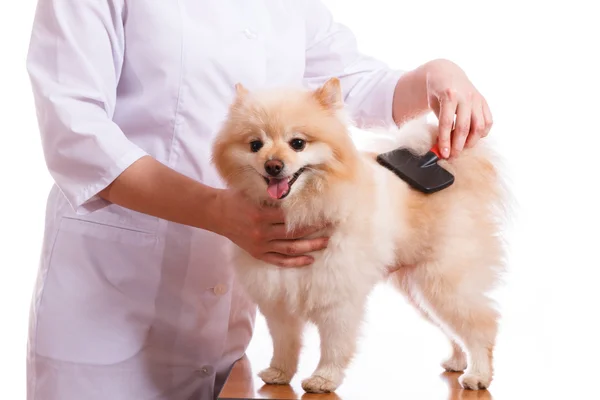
pixel 330 94
pixel 240 91
pixel 241 98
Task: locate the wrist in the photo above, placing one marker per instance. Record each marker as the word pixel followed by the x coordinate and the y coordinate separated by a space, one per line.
pixel 437 68
pixel 437 64
pixel 410 95
pixel 208 208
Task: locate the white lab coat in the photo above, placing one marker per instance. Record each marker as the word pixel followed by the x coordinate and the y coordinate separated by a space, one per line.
pixel 128 306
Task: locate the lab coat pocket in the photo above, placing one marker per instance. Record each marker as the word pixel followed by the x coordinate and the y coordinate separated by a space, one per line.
pixel 98 299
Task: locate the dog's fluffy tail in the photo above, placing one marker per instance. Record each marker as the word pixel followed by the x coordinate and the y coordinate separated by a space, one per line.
pixel 417 135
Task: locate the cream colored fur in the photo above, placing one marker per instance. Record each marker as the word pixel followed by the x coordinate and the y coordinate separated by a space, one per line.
pixel 442 251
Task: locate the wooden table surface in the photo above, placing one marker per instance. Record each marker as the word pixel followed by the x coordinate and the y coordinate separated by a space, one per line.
pixel 399 357
pixel 244 384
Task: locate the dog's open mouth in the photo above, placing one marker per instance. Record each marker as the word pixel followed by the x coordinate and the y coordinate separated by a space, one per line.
pixel 279 188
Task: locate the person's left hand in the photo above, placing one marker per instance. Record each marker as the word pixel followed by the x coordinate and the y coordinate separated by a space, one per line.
pixel 450 93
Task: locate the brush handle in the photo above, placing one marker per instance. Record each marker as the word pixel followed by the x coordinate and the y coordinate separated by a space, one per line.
pixel 431 158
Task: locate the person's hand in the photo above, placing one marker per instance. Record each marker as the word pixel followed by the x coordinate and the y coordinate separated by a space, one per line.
pixel 261 231
pixel 450 93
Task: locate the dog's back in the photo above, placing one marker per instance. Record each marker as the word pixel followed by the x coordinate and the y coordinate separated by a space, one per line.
pixel 477 201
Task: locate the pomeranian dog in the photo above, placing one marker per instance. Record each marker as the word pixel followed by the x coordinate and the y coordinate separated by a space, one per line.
pixel 293 149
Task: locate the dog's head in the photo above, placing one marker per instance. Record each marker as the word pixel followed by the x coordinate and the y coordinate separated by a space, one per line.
pixel 277 144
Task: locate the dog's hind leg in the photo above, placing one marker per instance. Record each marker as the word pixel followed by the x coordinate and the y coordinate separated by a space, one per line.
pixel 458 359
pixel 455 298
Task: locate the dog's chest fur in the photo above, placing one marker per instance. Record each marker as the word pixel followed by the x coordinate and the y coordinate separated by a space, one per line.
pixel 361 248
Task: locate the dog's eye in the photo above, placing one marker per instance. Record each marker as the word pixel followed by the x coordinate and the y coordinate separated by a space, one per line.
pixel 256 145
pixel 298 144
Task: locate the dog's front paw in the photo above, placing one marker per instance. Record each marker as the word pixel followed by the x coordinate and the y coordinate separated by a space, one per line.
pixel 473 381
pixel 318 384
pixel 274 376
pixel 455 363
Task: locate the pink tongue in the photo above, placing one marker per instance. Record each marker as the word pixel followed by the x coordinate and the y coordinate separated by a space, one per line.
pixel 277 187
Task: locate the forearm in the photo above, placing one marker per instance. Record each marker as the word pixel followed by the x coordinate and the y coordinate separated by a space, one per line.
pixel 410 95
pixel 150 187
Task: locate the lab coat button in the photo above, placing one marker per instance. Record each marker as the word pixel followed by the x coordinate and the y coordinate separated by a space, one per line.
pixel 220 290
pixel 250 34
pixel 206 370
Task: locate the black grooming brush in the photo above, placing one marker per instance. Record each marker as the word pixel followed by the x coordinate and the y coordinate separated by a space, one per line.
pixel 423 173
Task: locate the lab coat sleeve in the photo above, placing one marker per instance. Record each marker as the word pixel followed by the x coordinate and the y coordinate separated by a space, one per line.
pixel 74 61
pixel 331 51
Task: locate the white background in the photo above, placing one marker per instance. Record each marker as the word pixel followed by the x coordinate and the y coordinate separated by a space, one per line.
pixel 536 63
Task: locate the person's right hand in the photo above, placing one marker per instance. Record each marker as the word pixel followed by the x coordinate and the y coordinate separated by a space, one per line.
pixel 261 231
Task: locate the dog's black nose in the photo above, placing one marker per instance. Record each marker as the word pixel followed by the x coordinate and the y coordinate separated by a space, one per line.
pixel 274 167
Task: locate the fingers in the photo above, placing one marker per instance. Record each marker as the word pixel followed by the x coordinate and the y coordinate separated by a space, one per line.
pixel 287 262
pixel 279 232
pixel 291 253
pixel 473 122
pixel 446 119
pixel 462 127
pixel 477 126
pixel 481 123
pixel 270 216
pixel 286 252
pixel 488 120
pixel 298 247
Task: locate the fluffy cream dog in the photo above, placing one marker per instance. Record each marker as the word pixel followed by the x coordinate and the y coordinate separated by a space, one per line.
pixel 292 149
